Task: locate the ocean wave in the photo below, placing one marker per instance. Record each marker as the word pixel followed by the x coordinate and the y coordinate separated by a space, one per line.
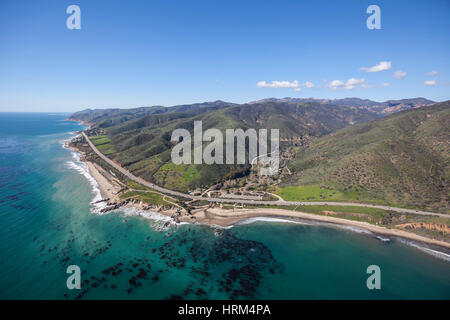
pixel 64 141
pixel 422 247
pixel 83 169
pixel 383 239
pixel 354 229
pixel 341 226
pixel 305 222
pixel 269 219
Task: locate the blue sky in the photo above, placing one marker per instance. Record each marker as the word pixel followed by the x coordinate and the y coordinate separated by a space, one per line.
pixel 140 53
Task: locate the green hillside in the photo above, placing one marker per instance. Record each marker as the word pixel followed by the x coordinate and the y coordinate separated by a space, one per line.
pixel 402 159
pixel 139 139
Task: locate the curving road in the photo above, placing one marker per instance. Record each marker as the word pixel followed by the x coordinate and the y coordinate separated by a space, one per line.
pixel 257 202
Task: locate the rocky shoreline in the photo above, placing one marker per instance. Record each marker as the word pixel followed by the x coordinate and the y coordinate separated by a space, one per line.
pixel 110 187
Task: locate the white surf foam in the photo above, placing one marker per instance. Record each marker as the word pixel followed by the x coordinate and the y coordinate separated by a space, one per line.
pixel 159 222
pixel 83 169
pixel 383 239
pixel 269 219
pixel 424 248
pixel 64 141
pixel 341 226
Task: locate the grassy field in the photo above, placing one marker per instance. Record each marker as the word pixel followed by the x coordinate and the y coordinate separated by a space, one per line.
pixel 316 193
pixel 99 140
pixel 103 144
pixel 137 186
pixel 191 173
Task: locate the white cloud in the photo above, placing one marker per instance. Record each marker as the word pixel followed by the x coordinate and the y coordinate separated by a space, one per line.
pixel 399 74
pixel 278 84
pixel 430 83
pixel 309 84
pixel 335 84
pixel 386 84
pixel 350 84
pixel 381 66
pixel 432 73
pixel 285 84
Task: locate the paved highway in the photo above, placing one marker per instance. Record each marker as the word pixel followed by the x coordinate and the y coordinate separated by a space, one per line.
pixel 254 202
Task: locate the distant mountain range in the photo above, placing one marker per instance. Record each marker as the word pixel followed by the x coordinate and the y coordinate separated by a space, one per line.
pixel 115 115
pixel 386 107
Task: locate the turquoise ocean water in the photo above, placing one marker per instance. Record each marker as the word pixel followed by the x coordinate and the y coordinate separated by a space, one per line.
pixel 47 223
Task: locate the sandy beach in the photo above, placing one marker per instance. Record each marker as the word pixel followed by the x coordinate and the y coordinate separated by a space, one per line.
pixel 227 217
pixel 108 185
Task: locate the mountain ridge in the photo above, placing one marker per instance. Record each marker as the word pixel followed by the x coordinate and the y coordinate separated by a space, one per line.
pixel 386 107
pixel 382 108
